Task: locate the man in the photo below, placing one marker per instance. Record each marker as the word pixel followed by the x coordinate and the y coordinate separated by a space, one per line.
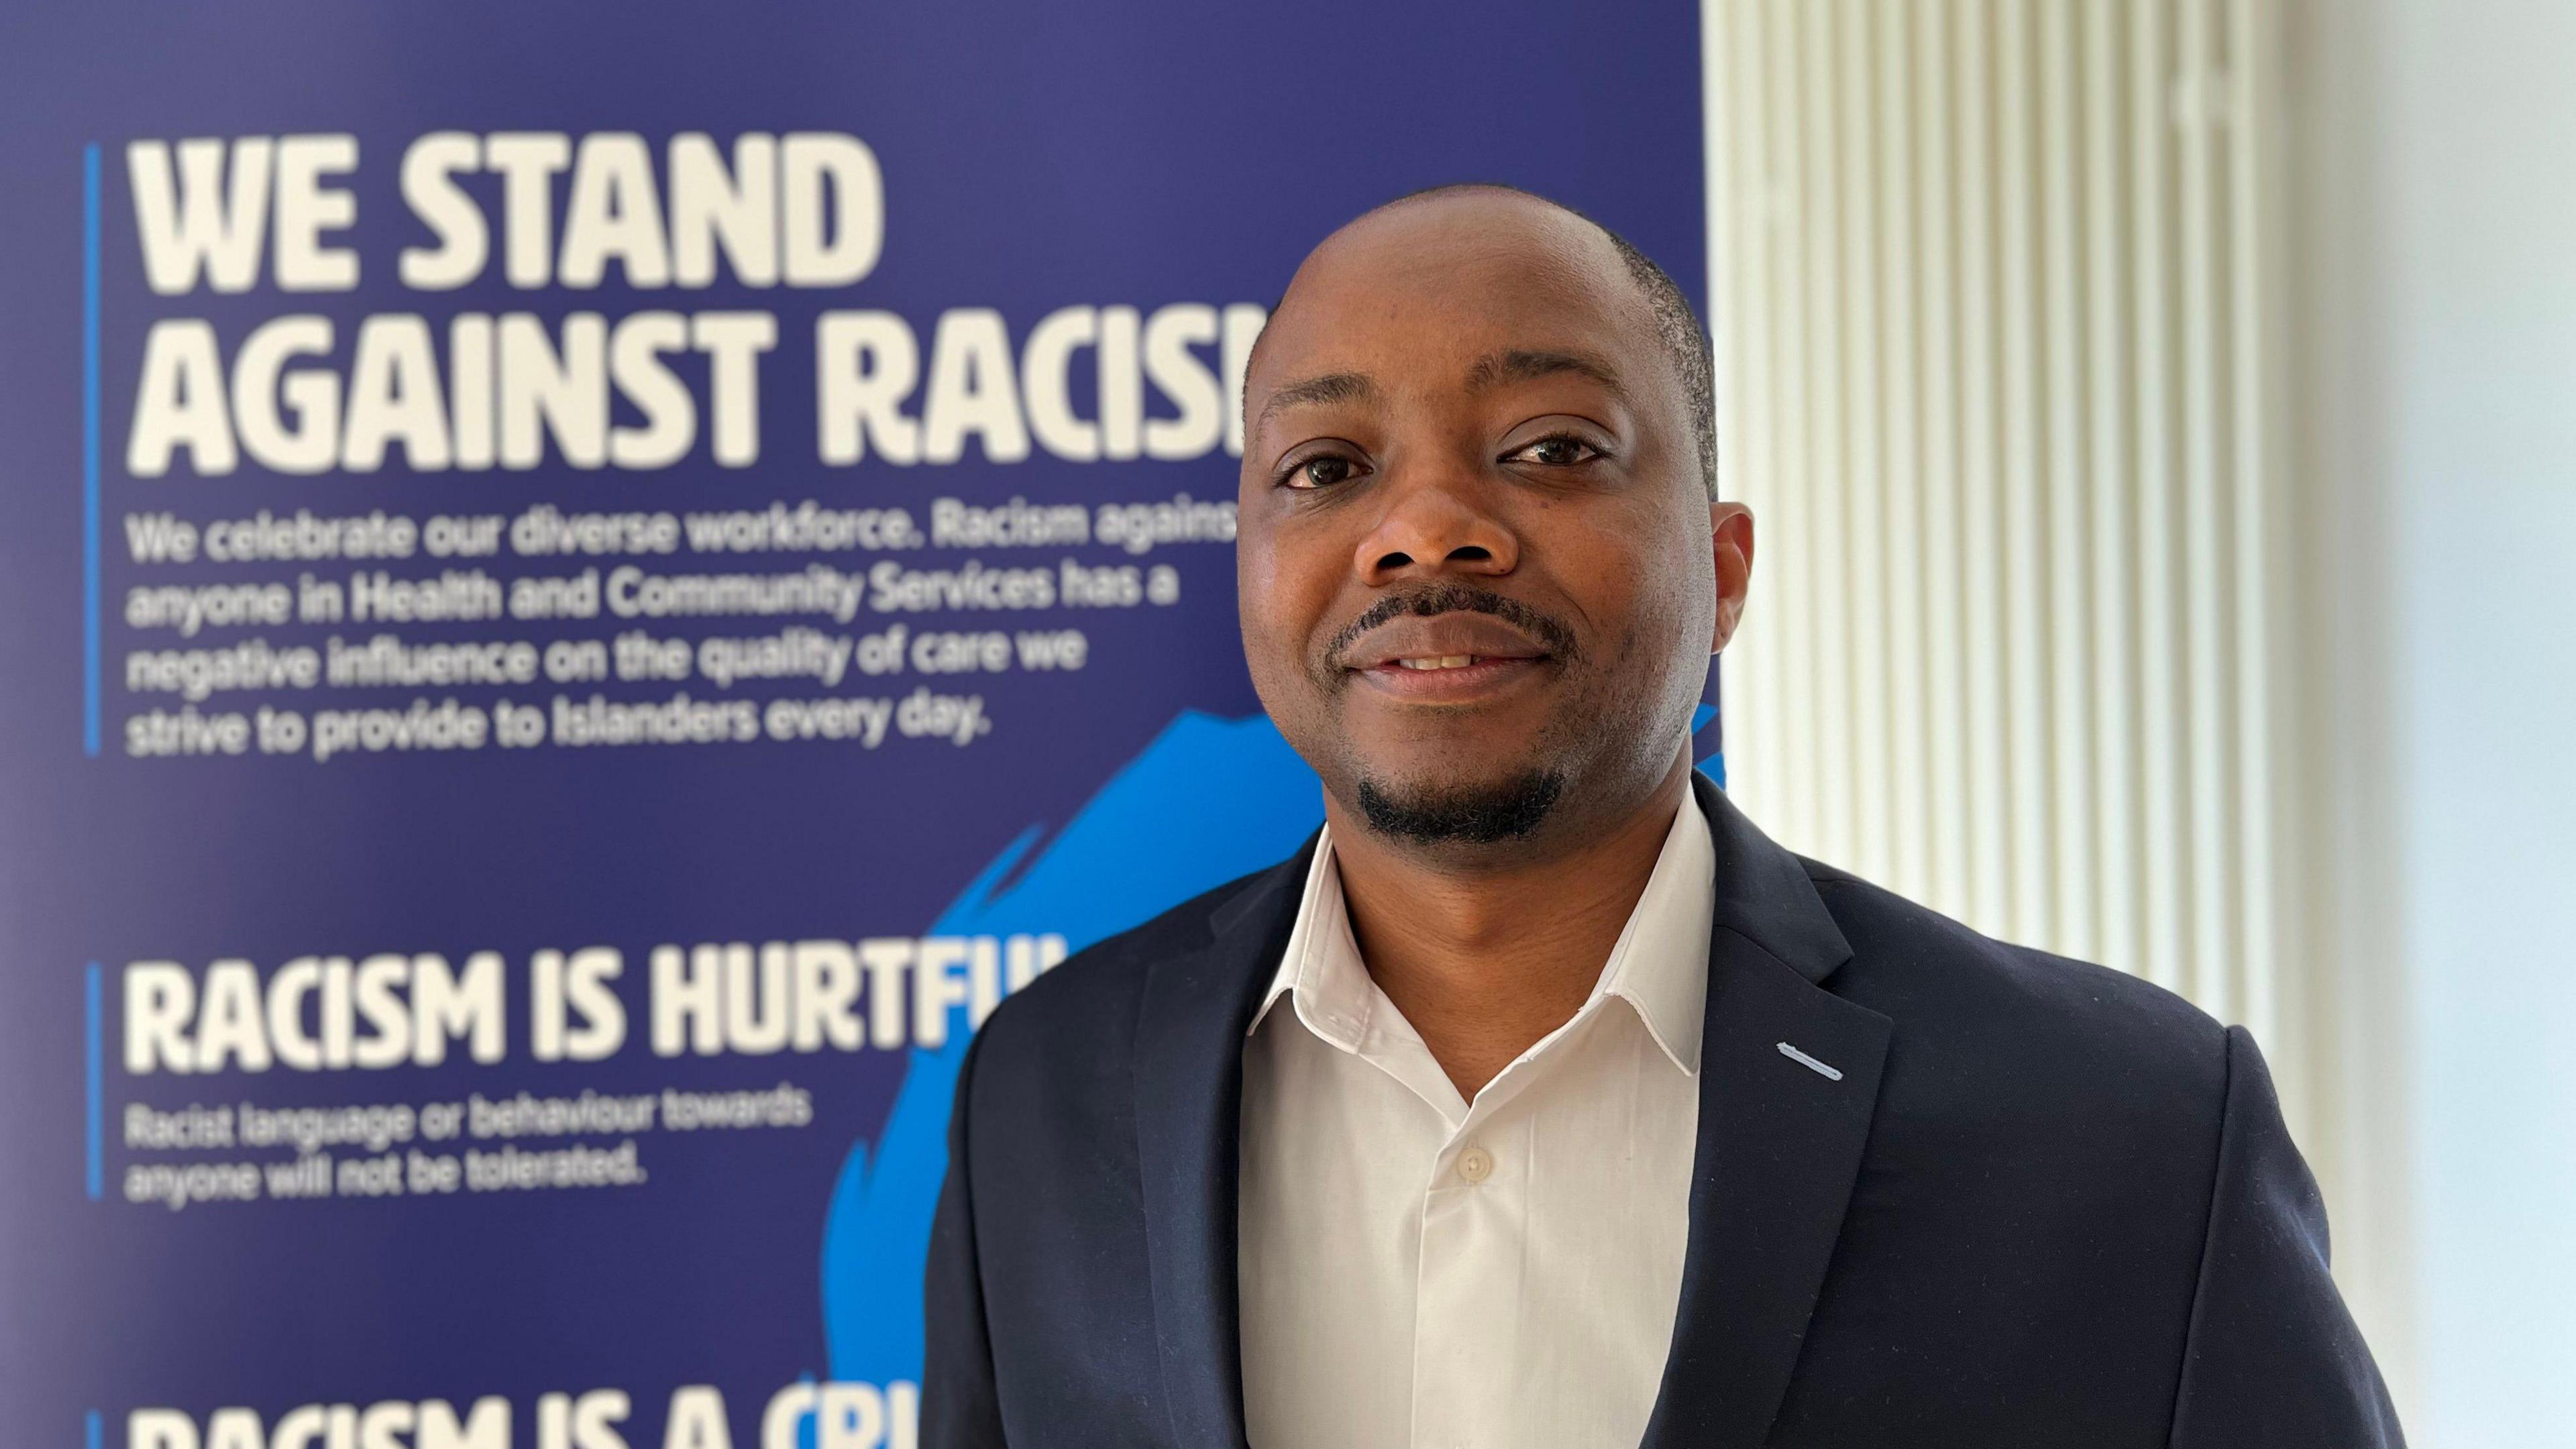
pixel 1542 1100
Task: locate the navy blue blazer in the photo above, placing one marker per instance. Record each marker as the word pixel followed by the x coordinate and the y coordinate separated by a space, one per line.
pixel 2045 1204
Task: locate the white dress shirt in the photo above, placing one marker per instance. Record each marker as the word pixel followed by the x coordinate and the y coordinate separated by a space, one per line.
pixel 1418 1269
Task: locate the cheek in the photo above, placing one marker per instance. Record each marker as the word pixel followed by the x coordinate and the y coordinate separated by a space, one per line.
pixel 1281 591
pixel 1643 586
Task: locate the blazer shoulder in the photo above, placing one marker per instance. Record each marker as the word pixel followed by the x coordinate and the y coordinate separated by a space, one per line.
pixel 2094 1045
pixel 1091 996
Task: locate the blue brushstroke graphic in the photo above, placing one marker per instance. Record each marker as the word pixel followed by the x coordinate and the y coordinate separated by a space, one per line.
pixel 1712 764
pixel 1207 801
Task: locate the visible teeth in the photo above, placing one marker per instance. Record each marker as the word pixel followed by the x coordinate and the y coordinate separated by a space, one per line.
pixel 1444 661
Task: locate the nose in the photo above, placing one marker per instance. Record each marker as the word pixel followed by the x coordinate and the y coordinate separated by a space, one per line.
pixel 1433 528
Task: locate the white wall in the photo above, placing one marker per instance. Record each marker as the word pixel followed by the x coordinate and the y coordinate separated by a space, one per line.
pixel 2435 250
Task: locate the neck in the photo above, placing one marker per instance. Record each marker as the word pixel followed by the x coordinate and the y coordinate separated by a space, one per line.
pixel 1486 957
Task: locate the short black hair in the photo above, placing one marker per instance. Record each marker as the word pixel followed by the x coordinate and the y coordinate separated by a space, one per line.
pixel 1677 323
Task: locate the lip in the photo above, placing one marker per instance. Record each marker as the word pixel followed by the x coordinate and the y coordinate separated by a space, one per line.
pixel 1498 655
pixel 1455 685
pixel 1411 636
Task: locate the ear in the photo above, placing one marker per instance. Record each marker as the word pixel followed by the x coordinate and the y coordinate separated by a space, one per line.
pixel 1730 530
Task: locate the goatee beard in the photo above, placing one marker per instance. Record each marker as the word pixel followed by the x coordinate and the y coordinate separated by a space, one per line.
pixel 1462 814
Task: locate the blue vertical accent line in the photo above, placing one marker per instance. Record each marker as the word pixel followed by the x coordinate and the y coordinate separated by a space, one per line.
pixel 89 455
pixel 93 1429
pixel 92 1087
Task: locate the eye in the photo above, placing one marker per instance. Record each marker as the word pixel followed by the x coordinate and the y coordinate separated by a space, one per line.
pixel 1323 470
pixel 1557 450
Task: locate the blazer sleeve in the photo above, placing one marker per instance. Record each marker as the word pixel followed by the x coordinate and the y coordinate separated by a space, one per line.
pixel 959 1409
pixel 2273 1358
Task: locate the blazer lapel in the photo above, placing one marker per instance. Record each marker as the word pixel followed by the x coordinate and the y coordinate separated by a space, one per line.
pixel 1189 1090
pixel 1780 1141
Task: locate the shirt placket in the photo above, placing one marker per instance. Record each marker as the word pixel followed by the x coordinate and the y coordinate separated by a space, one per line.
pixel 1473 1252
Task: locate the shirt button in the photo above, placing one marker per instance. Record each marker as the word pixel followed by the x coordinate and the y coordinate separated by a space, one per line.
pixel 1475 1165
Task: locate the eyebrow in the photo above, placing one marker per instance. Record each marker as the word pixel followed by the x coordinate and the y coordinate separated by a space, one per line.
pixel 1492 370
pixel 1521 365
pixel 1331 387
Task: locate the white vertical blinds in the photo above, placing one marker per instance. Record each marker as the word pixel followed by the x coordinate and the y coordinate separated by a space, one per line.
pixel 1993 302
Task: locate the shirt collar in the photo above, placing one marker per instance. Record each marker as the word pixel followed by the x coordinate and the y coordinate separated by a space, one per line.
pixel 1321 965
pixel 1659 965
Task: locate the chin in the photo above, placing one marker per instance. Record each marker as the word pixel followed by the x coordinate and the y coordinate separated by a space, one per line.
pixel 1438 811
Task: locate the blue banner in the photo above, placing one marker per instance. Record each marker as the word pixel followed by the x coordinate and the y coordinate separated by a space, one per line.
pixel 586 590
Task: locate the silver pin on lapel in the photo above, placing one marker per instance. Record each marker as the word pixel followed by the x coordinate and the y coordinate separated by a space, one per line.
pixel 1804 1060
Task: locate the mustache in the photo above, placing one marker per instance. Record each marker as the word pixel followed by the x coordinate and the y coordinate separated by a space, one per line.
pixel 1434 599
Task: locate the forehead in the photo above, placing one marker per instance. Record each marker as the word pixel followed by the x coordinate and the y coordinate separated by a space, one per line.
pixel 1413 295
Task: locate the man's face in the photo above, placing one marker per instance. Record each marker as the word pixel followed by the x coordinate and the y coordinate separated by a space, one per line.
pixel 1479 571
